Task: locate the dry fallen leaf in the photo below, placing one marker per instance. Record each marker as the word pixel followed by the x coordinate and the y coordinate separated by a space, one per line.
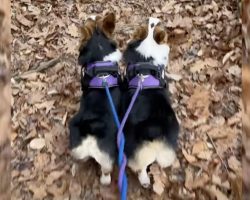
pixel 198 103
pixel 205 155
pixel 32 76
pixel 158 187
pixel 37 143
pixel 57 190
pixel 214 191
pixel 175 77
pixel 53 176
pixel 13 136
pixel 198 147
pixel 35 97
pixel 70 45
pixel 192 182
pixel 24 21
pixel 176 164
pixel 39 191
pixel 160 179
pixel 75 189
pixel 235 70
pixel 200 181
pixel 47 104
pixel 202 64
pixel 188 157
pixel 41 161
pixel 73 30
pixel 220 132
pixel 227 56
pixel 217 180
pixel 179 21
pixel 31 134
pixel 64 118
pixel 234 164
pixel 189 178
pixel 168 7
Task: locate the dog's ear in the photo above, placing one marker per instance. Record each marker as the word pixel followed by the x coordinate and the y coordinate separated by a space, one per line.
pixel 108 24
pixel 140 33
pixel 88 29
pixel 159 35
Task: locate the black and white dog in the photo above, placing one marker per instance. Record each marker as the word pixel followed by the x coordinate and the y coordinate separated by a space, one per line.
pixel 151 130
pixel 92 129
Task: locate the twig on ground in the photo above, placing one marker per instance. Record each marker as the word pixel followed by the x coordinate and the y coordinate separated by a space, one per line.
pixel 39 68
pixel 222 161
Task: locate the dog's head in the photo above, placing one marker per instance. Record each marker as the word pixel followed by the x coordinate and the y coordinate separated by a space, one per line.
pixel 97 43
pixel 147 45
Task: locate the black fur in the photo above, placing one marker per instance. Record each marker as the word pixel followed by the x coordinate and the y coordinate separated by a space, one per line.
pixel 95 116
pixel 96 48
pixel 132 56
pixel 152 116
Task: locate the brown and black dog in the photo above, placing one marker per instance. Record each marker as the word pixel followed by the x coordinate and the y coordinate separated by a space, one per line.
pixel 92 129
pixel 151 130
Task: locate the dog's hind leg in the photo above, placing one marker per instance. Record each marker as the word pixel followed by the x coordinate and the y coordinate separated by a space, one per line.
pixel 144 156
pixel 74 130
pixel 106 164
pixel 166 156
pixel 89 148
pixel 105 178
pixel 144 178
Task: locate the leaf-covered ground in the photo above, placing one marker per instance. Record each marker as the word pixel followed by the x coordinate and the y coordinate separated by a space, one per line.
pixel 205 41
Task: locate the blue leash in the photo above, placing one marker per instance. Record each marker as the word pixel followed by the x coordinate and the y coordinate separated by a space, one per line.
pixel 124 186
pixel 122 160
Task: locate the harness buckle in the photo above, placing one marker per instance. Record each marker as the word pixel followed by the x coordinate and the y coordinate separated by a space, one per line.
pixel 145 75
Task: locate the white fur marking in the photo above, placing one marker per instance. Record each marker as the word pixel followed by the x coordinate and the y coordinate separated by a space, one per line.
pixel 150 152
pixel 89 148
pixel 149 47
pixel 144 178
pixel 92 17
pixel 114 56
pixel 154 21
pixel 105 179
pixel 163 73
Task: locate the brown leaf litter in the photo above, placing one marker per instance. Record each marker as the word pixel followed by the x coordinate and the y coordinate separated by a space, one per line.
pixel 204 72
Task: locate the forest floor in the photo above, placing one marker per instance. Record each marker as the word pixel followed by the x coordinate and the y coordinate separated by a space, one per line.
pixel 205 70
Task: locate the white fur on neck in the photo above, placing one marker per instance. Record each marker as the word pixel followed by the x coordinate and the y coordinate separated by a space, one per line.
pixel 149 48
pixel 92 17
pixel 114 56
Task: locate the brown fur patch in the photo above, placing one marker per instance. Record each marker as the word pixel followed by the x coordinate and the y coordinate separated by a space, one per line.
pixel 88 29
pixel 142 32
pixel 108 24
pixel 159 35
pixel 105 24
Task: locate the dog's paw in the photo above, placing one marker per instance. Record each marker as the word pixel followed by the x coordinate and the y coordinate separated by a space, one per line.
pixel 144 179
pixel 105 179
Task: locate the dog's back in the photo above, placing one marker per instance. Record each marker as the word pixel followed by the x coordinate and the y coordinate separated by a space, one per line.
pixel 151 130
pixel 92 129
